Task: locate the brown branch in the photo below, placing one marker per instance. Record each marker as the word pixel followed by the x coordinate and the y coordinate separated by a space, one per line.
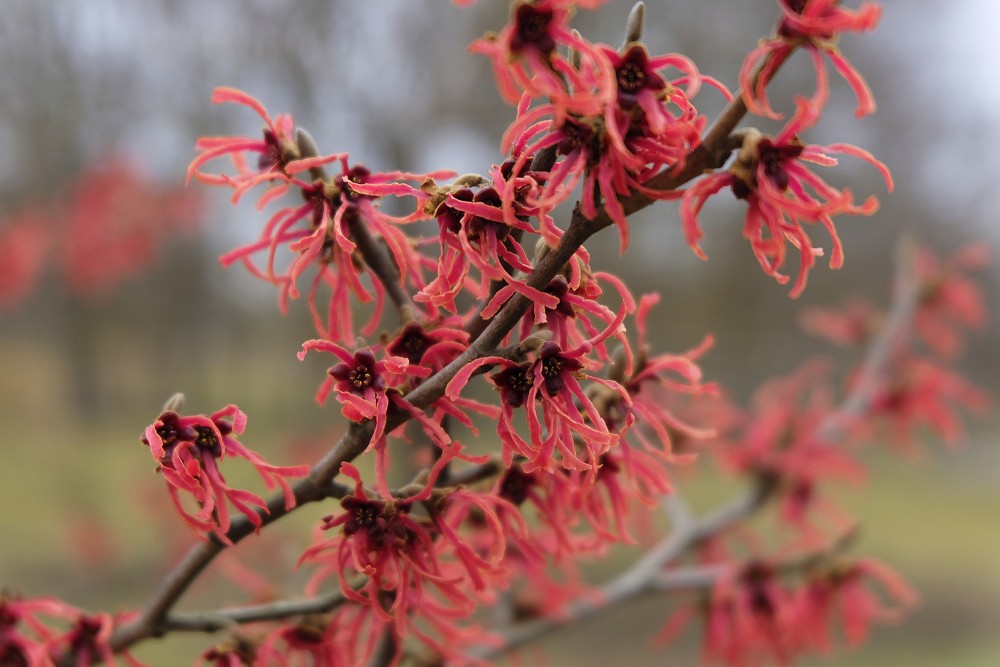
pixel 225 619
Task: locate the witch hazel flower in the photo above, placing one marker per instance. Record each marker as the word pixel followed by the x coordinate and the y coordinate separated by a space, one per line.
pixel 925 393
pixel 950 301
pixel 188 451
pixel 647 125
pixel 362 382
pixel 653 123
pixel 526 59
pixel 333 208
pixel 24 636
pixel 476 233
pixel 273 150
pixel 781 442
pixel 843 595
pixel 433 348
pixel 749 618
pixel 87 642
pixel 782 193
pixel 650 381
pixel 26 639
pixel 550 495
pixel 370 389
pixel 570 433
pixel 409 567
pixel 311 640
pixel 318 232
pixel 813 25
pixel 579 316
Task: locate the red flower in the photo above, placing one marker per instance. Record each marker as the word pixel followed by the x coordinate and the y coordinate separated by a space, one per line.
pixel 843 596
pixel 413 569
pixel 276 148
pixel 578 314
pixel 568 416
pixel 311 641
pixel 475 232
pixel 750 618
pixel 332 207
pixel 651 383
pixel 231 653
pixel 24 243
pixel 372 390
pixel 853 324
pixel 24 638
pixel 434 349
pixel 925 393
pixel 950 300
pixel 781 193
pixel 526 59
pixel 86 643
pixel 188 451
pixel 814 25
pixel 648 125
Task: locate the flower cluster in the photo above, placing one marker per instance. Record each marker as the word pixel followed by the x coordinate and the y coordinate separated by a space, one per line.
pixel 28 637
pixel 591 422
pixel 109 223
pixel 752 616
pixel 402 567
pixel 319 232
pixel 782 193
pixel 188 451
pixel 612 132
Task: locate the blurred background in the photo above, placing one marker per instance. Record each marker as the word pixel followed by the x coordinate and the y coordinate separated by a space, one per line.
pixel 100 104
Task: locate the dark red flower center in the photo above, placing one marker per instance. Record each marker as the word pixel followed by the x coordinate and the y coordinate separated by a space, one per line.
pixel 631 78
pixel 516 485
pixel 531 28
pixel 367 516
pixel 774 159
pixel 308 632
pixel 554 366
pixel 12 655
pixel 411 344
pixel 207 440
pixel 581 136
pixel 756 577
pixel 271 157
pixel 515 383
pixel 361 378
pixel 8 617
pixel 478 227
pixel 551 367
pixel 84 636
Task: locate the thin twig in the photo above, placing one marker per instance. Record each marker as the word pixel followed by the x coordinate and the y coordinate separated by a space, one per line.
pixel 222 619
pixel 639 577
